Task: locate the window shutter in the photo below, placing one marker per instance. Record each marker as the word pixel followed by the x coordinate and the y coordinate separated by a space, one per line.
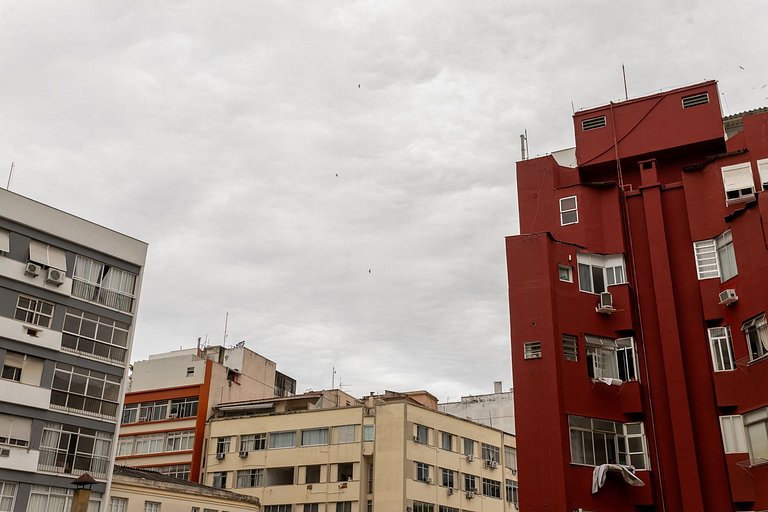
pixel 737 177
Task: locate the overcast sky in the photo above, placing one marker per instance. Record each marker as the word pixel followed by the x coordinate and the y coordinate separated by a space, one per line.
pixel 338 176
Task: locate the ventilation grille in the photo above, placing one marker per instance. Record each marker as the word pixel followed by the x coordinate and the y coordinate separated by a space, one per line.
pixel 696 99
pixel 591 124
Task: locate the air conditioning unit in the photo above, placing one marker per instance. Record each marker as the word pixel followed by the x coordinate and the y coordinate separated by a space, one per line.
pixel 427 480
pixel 143 418
pixel 470 457
pixel 514 471
pixel 606 303
pixel 451 490
pixel 417 439
pixel 728 297
pixel 220 455
pixel 5 452
pixel 173 416
pixel 32 269
pixel 55 276
pixel 491 464
pixel 470 495
pixel 243 454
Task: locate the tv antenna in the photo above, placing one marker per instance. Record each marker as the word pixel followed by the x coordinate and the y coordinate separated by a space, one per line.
pixel 524 144
pixel 10 175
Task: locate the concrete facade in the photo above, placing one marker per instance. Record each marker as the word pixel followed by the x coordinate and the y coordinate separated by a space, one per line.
pixel 495 409
pixel 69 290
pixel 388 452
pixel 172 395
pixel 637 307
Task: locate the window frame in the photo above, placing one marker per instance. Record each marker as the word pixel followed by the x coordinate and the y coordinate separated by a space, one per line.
pixel 721 349
pixel 33 313
pixel 755 332
pixel 611 269
pixel 737 180
pixel 569 210
pixel 423 472
pixel 619 353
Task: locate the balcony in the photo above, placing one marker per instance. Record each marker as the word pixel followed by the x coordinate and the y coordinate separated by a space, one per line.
pixel 742 387
pixel 56 461
pixel 614 491
pixel 109 298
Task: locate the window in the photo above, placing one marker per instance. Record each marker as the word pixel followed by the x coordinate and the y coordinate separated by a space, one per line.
pixel 422 434
pixel 756 332
pixel 420 506
pixel 175 470
pixel 124 446
pixel 94 335
pixel 532 350
pixel 510 458
pixel 762 169
pixel 346 434
pixel 190 371
pixel 85 391
pixel 22 368
pixel 5 242
pixel 282 440
pixel 43 498
pixel 180 441
pixel 250 478
pixel 151 506
pixel 446 508
pixel 311 507
pixel 130 414
pixel 11 373
pixel 756 427
pixel 149 443
pixel 117 505
pixel 569 214
pixel 34 311
pixel 726 257
pixel 470 482
pixel 738 183
pixel 565 273
pixel 570 348
pixel 732 429
pixel 490 452
pixel 512 492
pixel 368 432
pixel 597 272
pixel 184 407
pixel 422 472
pixel 593 123
pixel 446 441
pixel 448 477
pixel 344 506
pixel 276 508
pixel 153 411
pixel 222 444
pixel 595 442
pixel 491 488
pixel 312 474
pixel 345 472
pixel 15 430
pixel 705 252
pixel 696 99
pixel 74 450
pixel 611 359
pixel 47 255
pixel 220 479
pixel 253 442
pixel 314 437
pixel 721 347
pixel 469 446
pixel 101 283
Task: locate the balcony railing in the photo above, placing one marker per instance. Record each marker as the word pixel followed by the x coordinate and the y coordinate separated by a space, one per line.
pixel 95 293
pixel 56 461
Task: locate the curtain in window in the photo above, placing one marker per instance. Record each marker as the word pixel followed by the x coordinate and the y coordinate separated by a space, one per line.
pixel 314 437
pixel 88 269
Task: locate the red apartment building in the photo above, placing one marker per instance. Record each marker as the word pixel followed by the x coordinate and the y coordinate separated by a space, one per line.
pixel 638 295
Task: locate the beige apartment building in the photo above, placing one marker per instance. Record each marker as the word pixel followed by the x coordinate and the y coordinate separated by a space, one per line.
pixel 391 452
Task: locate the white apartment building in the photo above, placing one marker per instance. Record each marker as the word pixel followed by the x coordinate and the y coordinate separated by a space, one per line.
pixel 69 290
pixel 495 409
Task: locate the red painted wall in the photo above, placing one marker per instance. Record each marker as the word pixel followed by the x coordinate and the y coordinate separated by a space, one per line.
pixel 653 219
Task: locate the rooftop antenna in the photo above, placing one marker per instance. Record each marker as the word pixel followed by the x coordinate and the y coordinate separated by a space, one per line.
pixel 333 377
pixel 624 73
pixel 524 144
pixel 226 320
pixel 10 174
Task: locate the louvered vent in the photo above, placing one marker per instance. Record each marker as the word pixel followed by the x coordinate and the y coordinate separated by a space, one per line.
pixel 696 99
pixel 591 124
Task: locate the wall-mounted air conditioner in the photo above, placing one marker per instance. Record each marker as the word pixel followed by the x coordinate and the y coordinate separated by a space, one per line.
pixel 220 456
pixel 243 454
pixel 470 457
pixel 470 495
pixel 55 276
pixel 606 303
pixel 32 269
pixel 728 297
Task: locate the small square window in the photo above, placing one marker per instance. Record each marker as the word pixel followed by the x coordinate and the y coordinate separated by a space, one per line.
pixel 190 371
pixel 565 273
pixel 532 350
